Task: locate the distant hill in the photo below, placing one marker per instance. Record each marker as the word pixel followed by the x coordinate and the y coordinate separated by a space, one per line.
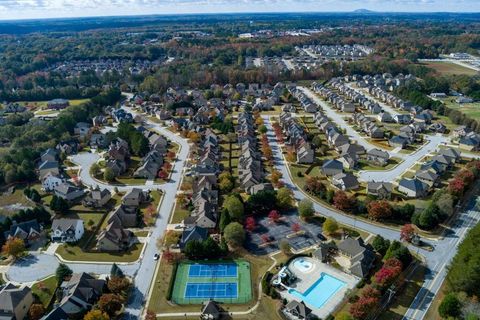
pixel 363 11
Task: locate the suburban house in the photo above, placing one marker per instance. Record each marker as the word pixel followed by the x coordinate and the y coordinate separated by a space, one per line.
pixel 67 230
pixel 470 142
pixel 193 233
pixel 360 256
pixel 51 180
pixel 48 166
pixel 68 191
pixel 151 164
pixel 398 142
pixel 49 155
pixel 305 154
pixel 81 129
pixel 332 167
pixel 298 309
pixel 15 302
pixel 377 157
pixel 114 237
pixel 29 231
pixel 58 104
pixel 211 311
pixel 126 215
pixel 345 181
pixel 381 190
pixel 413 188
pixel 97 198
pixel 135 197
pixel 428 177
pixel 79 294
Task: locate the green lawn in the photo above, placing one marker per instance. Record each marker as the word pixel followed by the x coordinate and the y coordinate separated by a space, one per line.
pixel 75 253
pixel 364 165
pixel 449 68
pixel 45 290
pixel 179 214
pixel 471 110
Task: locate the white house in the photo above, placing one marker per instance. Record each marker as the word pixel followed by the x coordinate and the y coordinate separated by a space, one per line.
pixel 50 181
pixel 67 230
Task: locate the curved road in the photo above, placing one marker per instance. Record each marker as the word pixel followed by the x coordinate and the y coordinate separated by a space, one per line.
pixel 436 261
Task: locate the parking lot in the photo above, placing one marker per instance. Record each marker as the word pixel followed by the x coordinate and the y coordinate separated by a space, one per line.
pixel 279 231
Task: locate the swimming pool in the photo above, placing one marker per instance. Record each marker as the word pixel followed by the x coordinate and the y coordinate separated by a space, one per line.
pixel 303 264
pixel 320 292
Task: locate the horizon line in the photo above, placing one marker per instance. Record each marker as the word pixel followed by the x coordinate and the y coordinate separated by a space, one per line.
pixel 356 11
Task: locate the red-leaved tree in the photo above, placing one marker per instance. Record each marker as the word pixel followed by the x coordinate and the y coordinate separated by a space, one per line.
pixel 274 216
pixel 250 224
pixel 407 232
pixel 379 210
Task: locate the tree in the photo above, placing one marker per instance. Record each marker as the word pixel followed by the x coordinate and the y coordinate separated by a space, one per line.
pixel 250 224
pixel 226 182
pixel 275 176
pixel 330 226
pixel 235 207
pixel 96 315
pixel 14 247
pixel 110 303
pixel 342 201
pixel 262 202
pixel 234 234
pixel 400 252
pixel 262 129
pixel 119 285
pixel 285 247
pixel 296 227
pixel 463 274
pixel 380 244
pixel 456 186
pixel 305 208
pixel 315 186
pixel 265 238
pixel 274 216
pixel 407 232
pixel 388 274
pixel 150 315
pixel 379 210
pixel 224 219
pixel 59 204
pixel 36 311
pixel 284 198
pixel 162 174
pixel 317 141
pixel 363 307
pixel 450 306
pixel 108 175
pixel 63 272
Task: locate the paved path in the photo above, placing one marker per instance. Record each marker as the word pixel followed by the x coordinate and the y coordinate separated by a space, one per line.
pixel 436 261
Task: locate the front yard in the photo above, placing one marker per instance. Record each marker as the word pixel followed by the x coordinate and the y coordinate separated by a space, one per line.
pixel 75 253
pixel 45 290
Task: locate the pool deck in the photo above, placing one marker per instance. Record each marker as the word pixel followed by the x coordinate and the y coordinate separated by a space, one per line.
pixel 306 279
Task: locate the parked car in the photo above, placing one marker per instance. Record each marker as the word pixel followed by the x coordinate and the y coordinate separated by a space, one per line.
pixel 321 237
pixel 156 256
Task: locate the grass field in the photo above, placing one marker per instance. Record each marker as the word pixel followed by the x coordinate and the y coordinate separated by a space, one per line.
pixel 449 68
pixel 75 253
pixel 45 290
pixel 471 110
pixel 183 279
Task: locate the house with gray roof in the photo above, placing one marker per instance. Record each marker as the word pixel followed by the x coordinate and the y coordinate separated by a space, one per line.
pixel 381 190
pixel 97 198
pixel 211 311
pixel 79 294
pixel 193 233
pixel 298 309
pixel 360 256
pixel 413 188
pixel 67 230
pixel 15 302
pixel 29 231
pixel 345 181
pixel 377 157
pixel 68 191
pixel 114 238
pixel 332 167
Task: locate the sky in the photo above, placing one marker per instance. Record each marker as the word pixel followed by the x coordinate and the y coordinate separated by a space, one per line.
pixel 29 9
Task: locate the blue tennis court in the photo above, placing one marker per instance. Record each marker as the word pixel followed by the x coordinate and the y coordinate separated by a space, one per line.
pixel 211 290
pixel 213 270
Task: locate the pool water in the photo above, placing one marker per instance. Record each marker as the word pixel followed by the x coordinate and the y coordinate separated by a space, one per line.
pixel 303 265
pixel 320 292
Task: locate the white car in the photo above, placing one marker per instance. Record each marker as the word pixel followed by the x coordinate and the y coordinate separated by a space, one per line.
pixel 156 256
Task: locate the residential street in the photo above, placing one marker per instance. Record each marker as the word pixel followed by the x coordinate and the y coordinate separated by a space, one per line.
pixel 436 261
pixel 42 265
